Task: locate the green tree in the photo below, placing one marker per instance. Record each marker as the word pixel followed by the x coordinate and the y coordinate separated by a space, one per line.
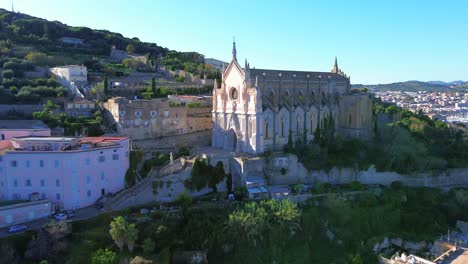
pixel 217 175
pixel 106 86
pixel 131 235
pixel 104 256
pixel 153 85
pixel 8 74
pixel 229 182
pixel 130 48
pixel 148 246
pixel 118 228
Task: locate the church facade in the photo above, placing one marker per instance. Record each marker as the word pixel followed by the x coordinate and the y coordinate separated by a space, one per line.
pixel 255 110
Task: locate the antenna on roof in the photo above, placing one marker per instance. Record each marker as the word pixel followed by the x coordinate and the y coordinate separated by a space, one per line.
pixel 12 7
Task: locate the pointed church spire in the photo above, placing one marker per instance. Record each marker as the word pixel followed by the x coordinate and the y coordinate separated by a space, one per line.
pixel 234 51
pixel 335 67
pixel 12 7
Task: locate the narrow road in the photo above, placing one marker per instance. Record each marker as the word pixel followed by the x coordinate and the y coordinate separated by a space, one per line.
pixel 81 214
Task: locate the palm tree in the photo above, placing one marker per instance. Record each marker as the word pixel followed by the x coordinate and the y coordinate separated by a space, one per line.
pixel 118 231
pixel 131 235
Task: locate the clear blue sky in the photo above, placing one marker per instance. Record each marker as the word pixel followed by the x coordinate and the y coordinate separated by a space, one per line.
pixel 376 41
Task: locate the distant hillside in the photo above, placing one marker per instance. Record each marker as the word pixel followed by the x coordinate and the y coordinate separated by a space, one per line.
pixel 22 34
pixel 415 86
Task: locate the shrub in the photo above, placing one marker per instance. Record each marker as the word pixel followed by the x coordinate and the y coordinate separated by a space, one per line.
pixel 283 171
pixel 148 246
pixel 356 186
pixel 104 256
pixel 396 185
pixel 240 192
pixel 8 74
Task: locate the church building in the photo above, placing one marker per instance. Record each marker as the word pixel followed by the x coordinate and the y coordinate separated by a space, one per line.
pixel 255 110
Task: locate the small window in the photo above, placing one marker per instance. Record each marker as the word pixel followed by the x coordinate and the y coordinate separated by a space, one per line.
pixel 57 196
pixel 126 154
pixel 88 193
pixel 41 163
pixel 115 156
pixel 88 179
pixel 13 163
pixel 234 94
pixel 166 113
pixel 102 176
pixel 15 183
pixel 28 182
pixel 102 158
pixel 56 163
pixel 153 113
pixel 57 182
pixel 42 182
pixel 88 161
pixel 43 196
pixel 122 113
pixel 28 164
pixel 137 113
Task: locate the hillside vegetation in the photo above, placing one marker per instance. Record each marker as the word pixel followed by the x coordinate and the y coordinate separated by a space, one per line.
pixel 27 42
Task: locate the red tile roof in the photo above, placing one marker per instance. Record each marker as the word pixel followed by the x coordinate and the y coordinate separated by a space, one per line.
pixel 95 140
pixel 4 144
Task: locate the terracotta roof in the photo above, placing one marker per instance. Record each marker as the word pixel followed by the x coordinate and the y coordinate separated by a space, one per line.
pixel 5 144
pixel 95 140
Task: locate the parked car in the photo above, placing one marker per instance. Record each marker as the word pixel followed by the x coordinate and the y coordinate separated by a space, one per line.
pixel 70 213
pixel 60 216
pixel 17 228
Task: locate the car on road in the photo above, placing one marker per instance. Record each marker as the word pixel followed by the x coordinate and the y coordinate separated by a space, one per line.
pixel 70 213
pixel 17 228
pixel 60 216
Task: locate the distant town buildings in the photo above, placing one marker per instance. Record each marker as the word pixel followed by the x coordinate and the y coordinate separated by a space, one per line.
pixel 449 107
pixel 20 128
pixel 74 172
pixel 145 119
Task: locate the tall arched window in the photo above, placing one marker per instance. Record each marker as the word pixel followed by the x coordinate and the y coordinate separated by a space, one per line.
pixel 311 124
pixel 266 129
pixel 282 127
pixel 298 125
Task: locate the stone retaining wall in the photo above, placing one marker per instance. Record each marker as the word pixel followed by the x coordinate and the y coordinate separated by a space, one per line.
pixel 297 173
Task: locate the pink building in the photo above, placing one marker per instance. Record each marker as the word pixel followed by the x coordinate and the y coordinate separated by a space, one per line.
pixel 21 128
pixel 72 171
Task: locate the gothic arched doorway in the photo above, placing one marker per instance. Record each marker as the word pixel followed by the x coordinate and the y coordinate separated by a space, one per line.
pixel 231 143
